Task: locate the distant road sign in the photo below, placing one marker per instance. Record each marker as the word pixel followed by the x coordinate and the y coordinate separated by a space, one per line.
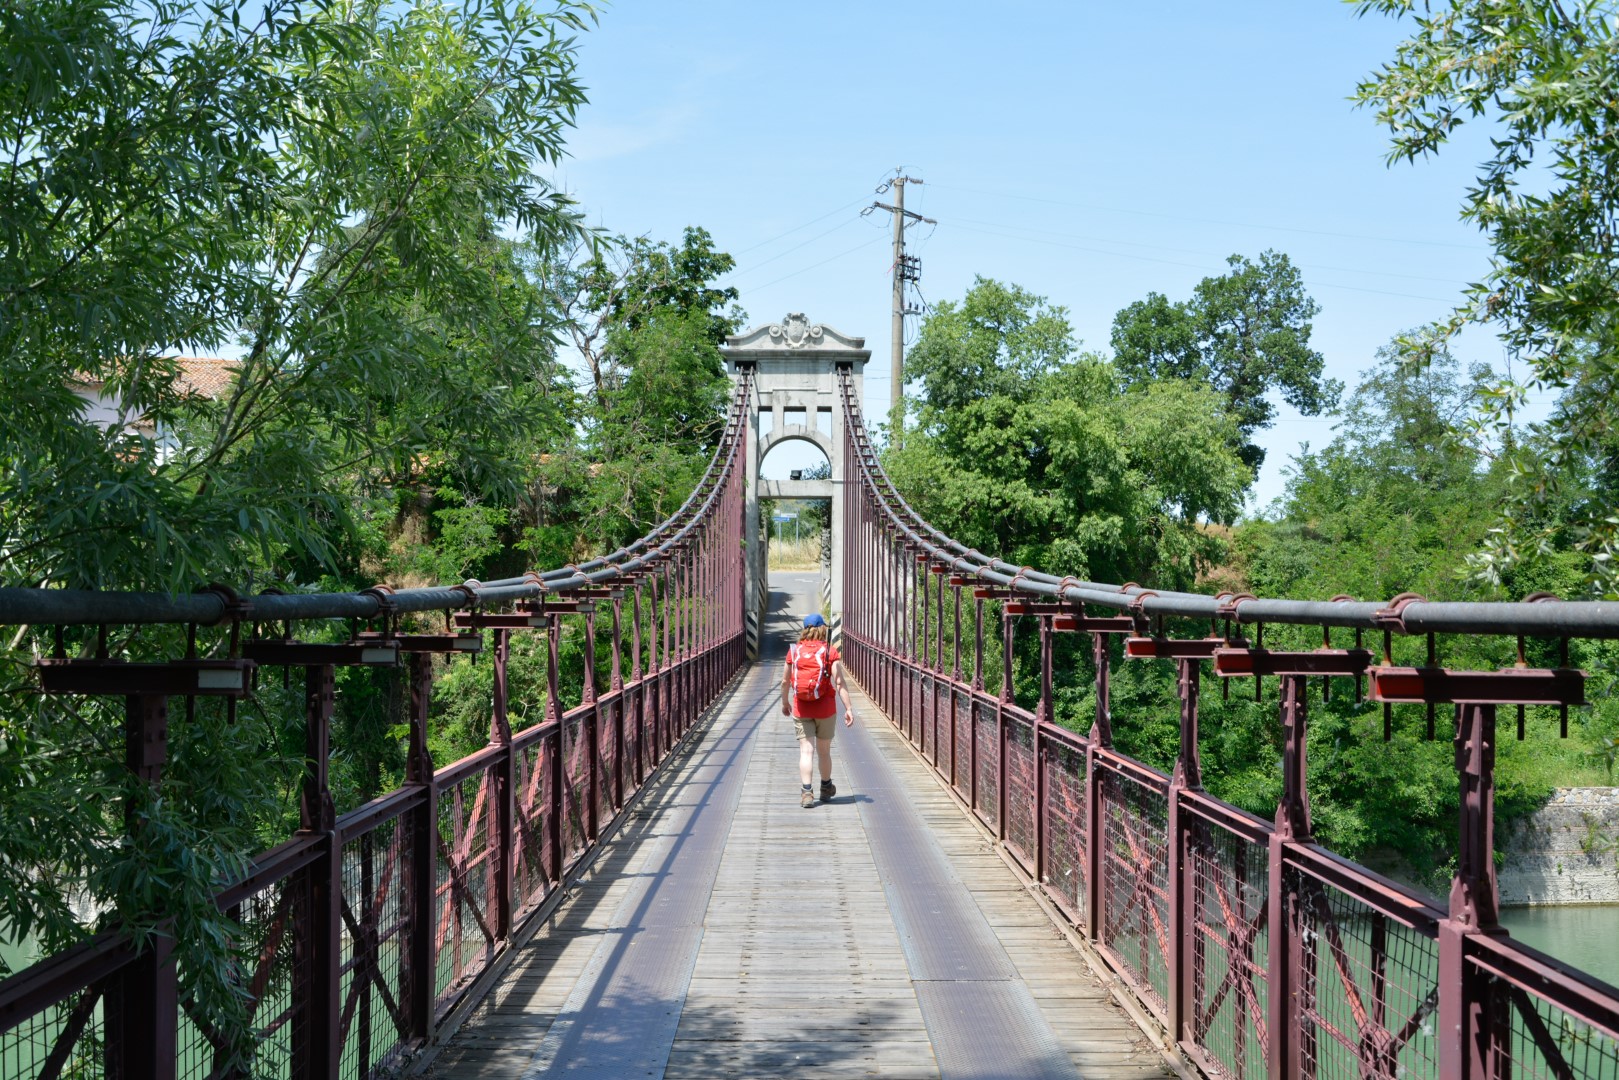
pixel 784 517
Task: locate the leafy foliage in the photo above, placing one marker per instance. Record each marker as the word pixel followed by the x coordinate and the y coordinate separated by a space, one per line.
pixel 344 195
pixel 648 321
pixel 1245 333
pixel 1037 453
pixel 1541 74
pixel 319 184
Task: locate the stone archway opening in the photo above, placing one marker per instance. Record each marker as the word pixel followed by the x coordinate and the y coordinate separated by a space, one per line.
pixel 795 514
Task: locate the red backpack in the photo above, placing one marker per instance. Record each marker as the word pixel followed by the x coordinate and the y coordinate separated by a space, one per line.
pixel 812 668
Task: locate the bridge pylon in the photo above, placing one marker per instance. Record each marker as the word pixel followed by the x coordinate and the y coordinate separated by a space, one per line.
pixel 795 366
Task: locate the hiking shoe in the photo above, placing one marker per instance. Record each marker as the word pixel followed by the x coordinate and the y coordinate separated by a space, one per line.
pixel 807 799
pixel 827 790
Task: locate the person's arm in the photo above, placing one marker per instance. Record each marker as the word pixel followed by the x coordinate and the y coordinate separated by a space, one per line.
pixel 787 691
pixel 843 692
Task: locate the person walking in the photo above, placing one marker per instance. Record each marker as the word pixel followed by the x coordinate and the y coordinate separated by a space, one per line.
pixel 810 688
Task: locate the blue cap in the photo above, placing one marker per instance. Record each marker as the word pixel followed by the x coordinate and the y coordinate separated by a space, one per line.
pixel 814 620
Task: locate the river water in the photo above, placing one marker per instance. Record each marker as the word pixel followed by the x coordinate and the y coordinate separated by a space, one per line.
pixel 1585 936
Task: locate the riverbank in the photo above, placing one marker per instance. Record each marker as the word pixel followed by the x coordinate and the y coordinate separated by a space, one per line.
pixel 1567 852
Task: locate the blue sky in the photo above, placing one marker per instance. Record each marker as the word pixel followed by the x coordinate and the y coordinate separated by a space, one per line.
pixel 1089 152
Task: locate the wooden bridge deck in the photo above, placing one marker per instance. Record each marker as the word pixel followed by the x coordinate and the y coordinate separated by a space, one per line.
pixel 726 931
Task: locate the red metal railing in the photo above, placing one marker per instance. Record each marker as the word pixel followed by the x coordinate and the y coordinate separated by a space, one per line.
pixel 1261 952
pixel 365 933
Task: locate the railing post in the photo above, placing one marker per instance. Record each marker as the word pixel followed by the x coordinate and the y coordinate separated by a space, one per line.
pixel 617 689
pixel 1043 717
pixel 637 677
pixel 666 694
pixel 1471 1044
pixel 505 789
pixel 978 688
pixel 559 750
pixel 1182 902
pixel 1096 792
pixel 925 666
pixel 955 684
pixel 143 1007
pixel 422 958
pixel 654 677
pixel 1001 721
pixel 1285 917
pixel 592 727
pixel 317 938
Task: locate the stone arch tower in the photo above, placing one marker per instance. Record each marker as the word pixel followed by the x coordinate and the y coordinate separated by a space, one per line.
pixel 794 364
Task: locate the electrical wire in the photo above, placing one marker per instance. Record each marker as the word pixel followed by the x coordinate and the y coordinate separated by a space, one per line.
pixel 1190 251
pixel 1208 221
pixel 796 247
pixel 797 228
pixel 1194 266
pixel 823 262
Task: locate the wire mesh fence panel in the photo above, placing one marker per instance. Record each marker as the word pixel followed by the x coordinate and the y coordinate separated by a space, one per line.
pixel 985 728
pixel 929 709
pixel 1532 1036
pixel 1065 825
pixel 377 926
pixel 575 781
pixel 962 717
pixel 68 1039
pixel 1368 987
pixel 910 681
pixel 277 991
pixel 1229 988
pixel 463 915
pixel 944 714
pixel 632 740
pixel 606 756
pixel 1020 766
pixel 531 875
pixel 1135 882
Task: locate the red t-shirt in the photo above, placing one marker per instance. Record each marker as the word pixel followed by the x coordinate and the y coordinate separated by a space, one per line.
pixel 810 708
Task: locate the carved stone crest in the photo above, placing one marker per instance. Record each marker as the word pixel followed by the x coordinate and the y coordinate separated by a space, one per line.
pixel 795 332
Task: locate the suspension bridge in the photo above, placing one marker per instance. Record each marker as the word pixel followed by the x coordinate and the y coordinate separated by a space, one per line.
pixel 629 887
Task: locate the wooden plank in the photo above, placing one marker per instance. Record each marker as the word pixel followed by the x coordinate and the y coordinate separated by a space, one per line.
pixel 800 970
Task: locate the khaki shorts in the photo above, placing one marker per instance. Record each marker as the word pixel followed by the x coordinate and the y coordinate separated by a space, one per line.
pixel 816 729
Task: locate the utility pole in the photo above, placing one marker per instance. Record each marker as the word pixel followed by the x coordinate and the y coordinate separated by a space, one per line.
pixel 905 268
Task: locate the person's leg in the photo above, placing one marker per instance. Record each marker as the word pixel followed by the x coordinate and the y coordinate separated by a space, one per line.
pixel 806 761
pixel 823 749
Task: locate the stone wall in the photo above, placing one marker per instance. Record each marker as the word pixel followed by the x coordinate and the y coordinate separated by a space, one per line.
pixel 1567 852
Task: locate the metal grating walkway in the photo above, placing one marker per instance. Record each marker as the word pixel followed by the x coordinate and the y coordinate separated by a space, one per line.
pixel 729 932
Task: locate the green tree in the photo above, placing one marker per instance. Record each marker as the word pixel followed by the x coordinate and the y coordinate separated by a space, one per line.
pixel 648 320
pixel 1245 333
pixel 1540 73
pixel 997 340
pixel 322 189
pixel 1394 502
pixel 286 178
pixel 1037 453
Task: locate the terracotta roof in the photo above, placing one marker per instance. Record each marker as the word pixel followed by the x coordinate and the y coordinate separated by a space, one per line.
pixel 206 376
pixel 203 376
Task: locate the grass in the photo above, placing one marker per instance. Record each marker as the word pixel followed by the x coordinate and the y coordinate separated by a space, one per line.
pixel 801 554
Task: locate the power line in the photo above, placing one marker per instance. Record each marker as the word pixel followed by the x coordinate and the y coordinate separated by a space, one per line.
pixel 1209 254
pixel 797 228
pixel 1209 221
pixel 1196 266
pixel 797 247
pixel 823 262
